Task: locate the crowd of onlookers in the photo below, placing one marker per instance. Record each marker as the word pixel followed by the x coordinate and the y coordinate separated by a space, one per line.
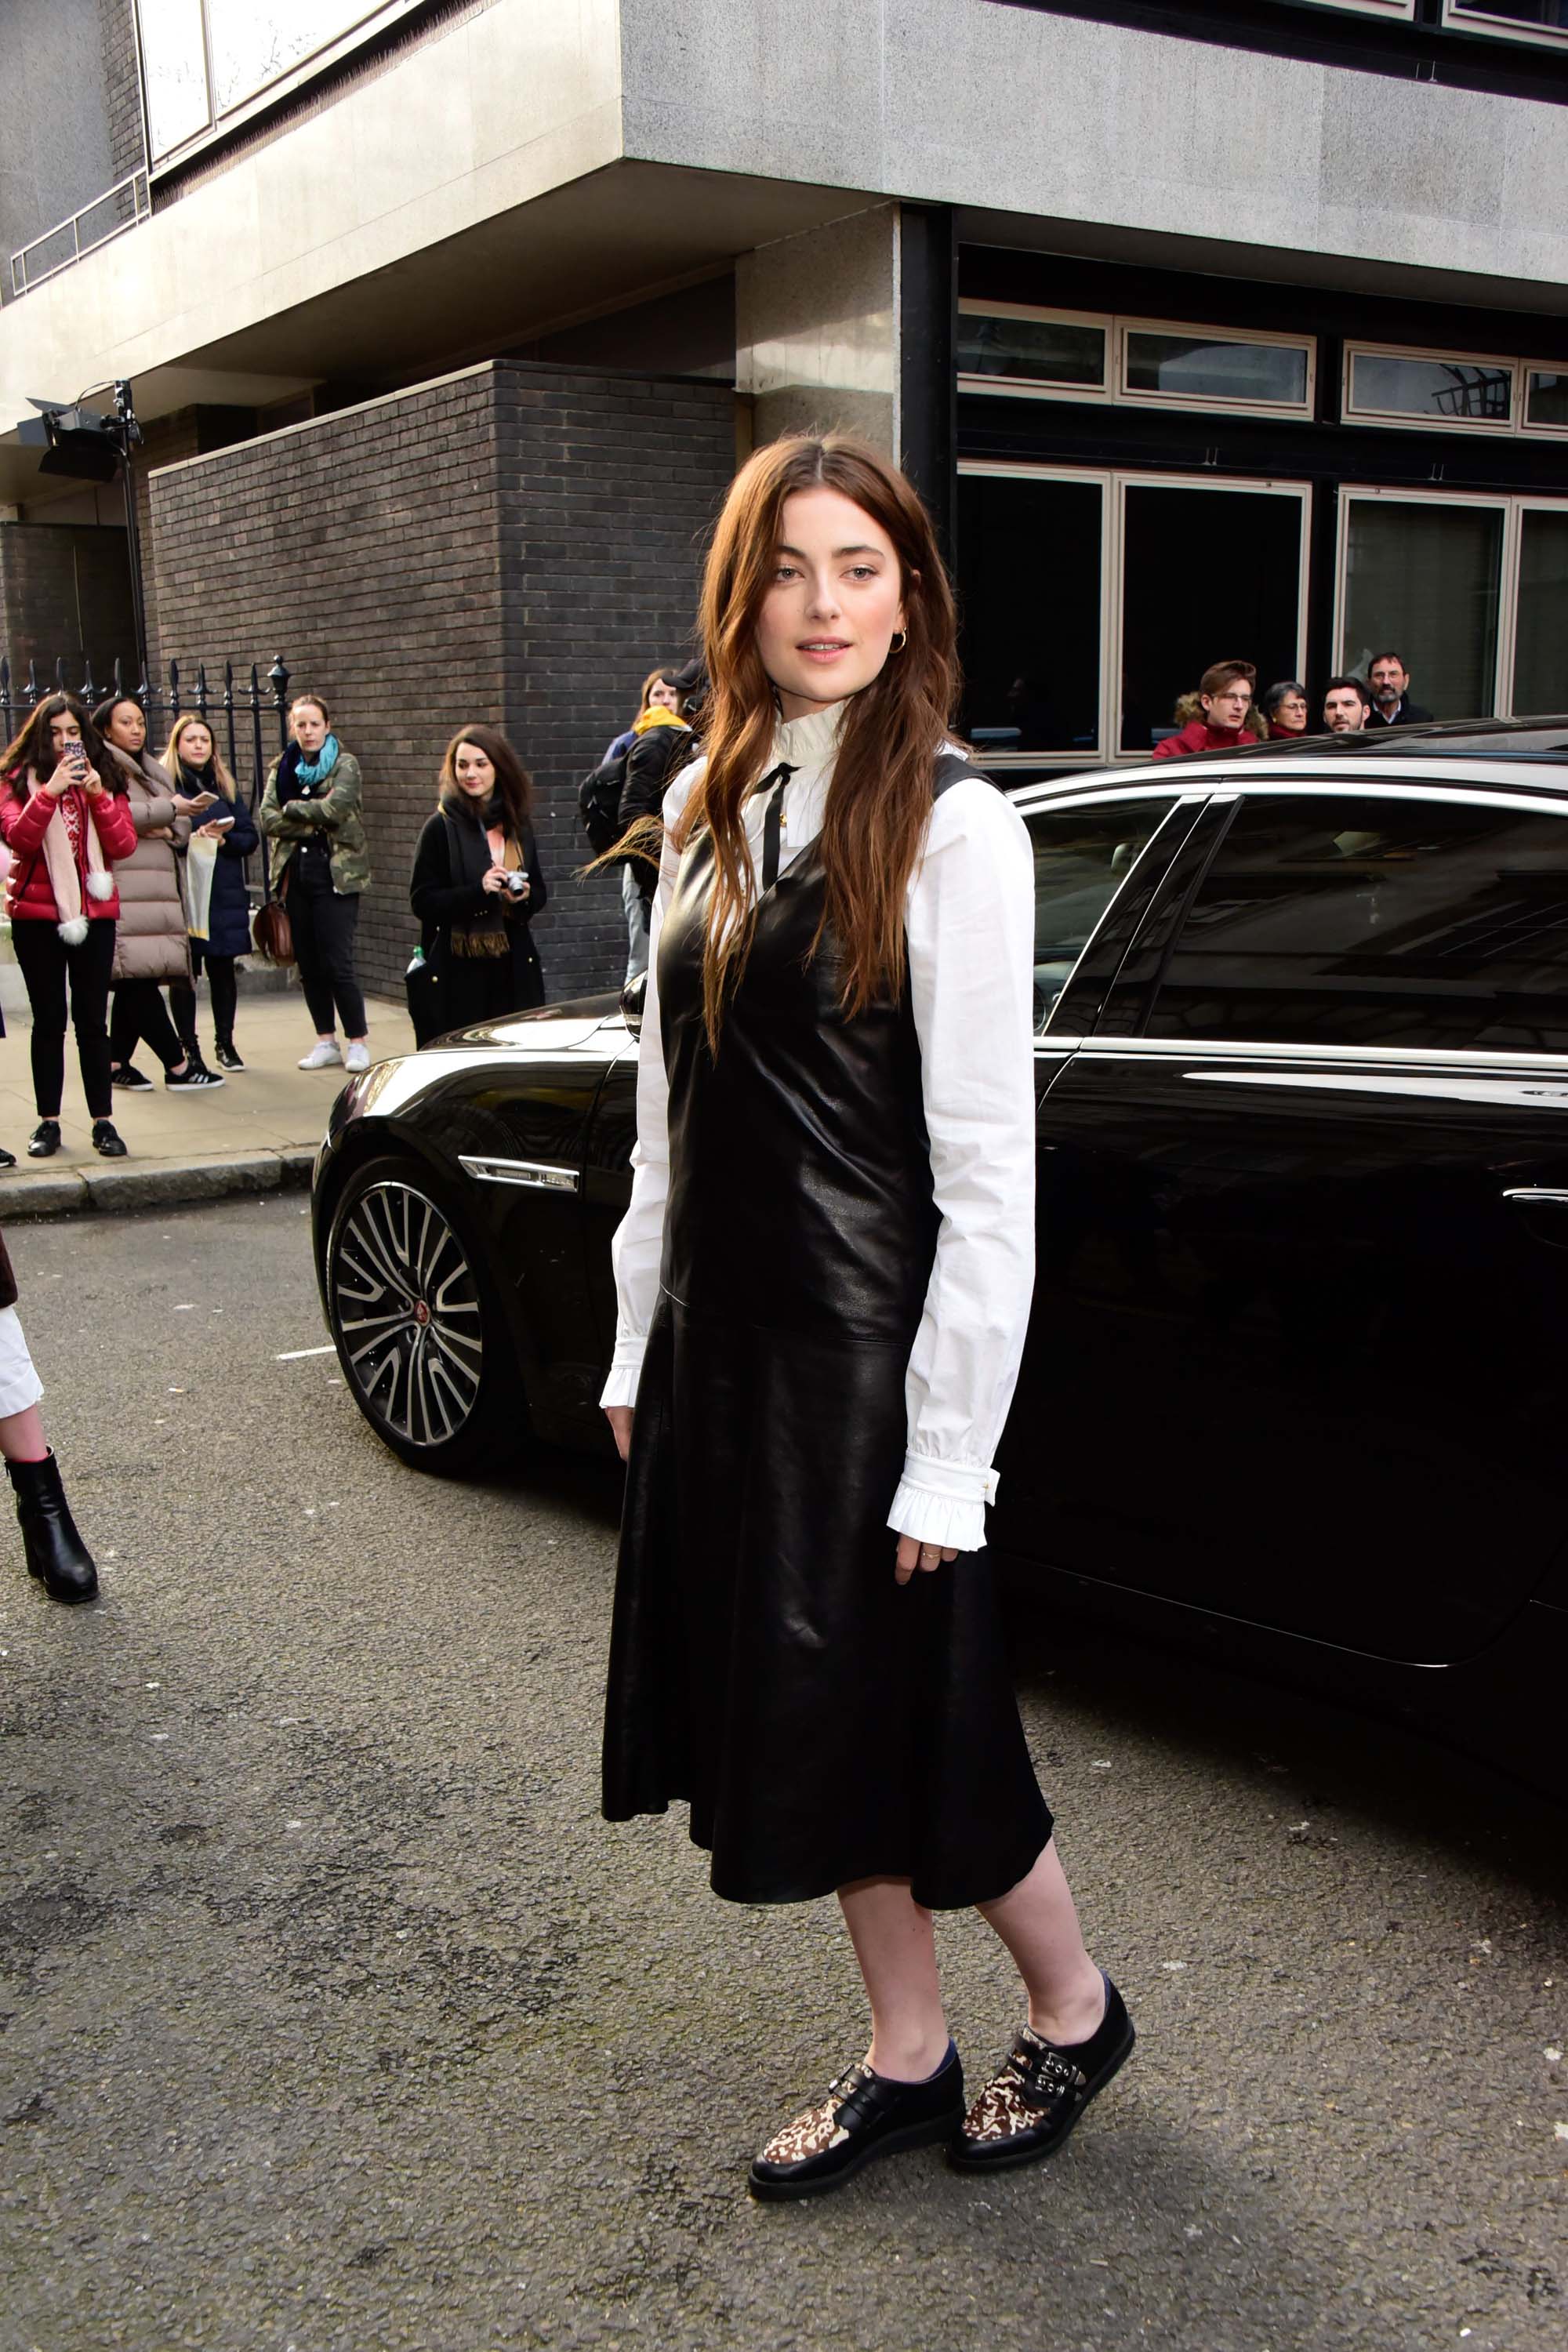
pixel 1228 711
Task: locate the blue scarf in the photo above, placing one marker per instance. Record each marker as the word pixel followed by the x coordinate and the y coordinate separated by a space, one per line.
pixel 312 772
pixel 298 777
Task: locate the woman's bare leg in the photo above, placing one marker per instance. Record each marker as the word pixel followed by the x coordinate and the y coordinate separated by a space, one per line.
pixel 21 1436
pixel 1038 1924
pixel 896 1948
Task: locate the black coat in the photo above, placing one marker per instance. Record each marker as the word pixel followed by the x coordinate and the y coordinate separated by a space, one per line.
pixel 651 765
pixel 468 990
pixel 228 917
pixel 1409 714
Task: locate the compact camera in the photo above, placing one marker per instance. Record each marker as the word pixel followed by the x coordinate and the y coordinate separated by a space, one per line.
pixel 516 881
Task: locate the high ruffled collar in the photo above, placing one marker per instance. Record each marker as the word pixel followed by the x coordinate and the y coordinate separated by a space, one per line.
pixel 809 742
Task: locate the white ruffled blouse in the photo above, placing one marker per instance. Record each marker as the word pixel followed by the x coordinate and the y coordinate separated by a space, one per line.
pixel 971 949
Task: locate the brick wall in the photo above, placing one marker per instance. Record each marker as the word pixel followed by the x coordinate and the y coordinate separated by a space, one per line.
pixel 123 88
pixel 516 544
pixel 65 589
pixel 607 486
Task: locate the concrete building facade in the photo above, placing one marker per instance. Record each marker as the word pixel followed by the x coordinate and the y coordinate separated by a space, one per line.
pixel 1206 329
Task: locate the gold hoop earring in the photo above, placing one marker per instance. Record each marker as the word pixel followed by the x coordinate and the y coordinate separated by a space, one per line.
pixel 900 638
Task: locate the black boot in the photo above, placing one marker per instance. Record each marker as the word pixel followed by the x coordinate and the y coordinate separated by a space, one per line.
pixel 56 1555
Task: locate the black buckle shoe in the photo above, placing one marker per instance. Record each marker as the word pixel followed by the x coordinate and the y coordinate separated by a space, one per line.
pixel 1027 2111
pixel 863 2115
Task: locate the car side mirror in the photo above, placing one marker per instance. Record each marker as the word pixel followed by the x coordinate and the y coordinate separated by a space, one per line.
pixel 631 1002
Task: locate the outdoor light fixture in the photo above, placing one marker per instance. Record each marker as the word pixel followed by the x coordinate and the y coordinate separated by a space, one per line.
pixel 85 446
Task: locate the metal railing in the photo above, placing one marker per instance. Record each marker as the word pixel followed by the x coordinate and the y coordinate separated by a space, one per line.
pixel 241 714
pixel 130 202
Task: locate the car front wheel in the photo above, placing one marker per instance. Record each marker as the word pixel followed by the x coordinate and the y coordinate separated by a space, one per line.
pixel 420 1342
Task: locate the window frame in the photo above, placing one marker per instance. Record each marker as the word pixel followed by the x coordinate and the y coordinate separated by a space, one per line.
pixel 1519 370
pixel 1125 1044
pixel 1115 391
pixel 1402 11
pixel 1456 18
pixel 1045 801
pixel 1025 387
pixel 1537 367
pixel 1512 506
pixel 1381 419
pixel 1113 483
pixel 375 16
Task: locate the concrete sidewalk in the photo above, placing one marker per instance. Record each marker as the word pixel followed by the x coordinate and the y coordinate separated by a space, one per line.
pixel 254 1133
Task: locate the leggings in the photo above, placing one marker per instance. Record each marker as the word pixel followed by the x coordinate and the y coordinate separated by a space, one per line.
pixel 139 1012
pixel 224 990
pixel 46 962
pixel 323 927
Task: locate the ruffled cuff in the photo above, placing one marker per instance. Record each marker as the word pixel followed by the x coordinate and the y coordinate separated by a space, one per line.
pixel 625 1371
pixel 943 1502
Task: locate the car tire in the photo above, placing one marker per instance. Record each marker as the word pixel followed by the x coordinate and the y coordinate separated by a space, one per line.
pixel 411 1305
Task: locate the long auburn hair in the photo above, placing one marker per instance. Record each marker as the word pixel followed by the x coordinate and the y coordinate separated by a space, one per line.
pixel 514 785
pixel 880 798
pixel 173 758
pixel 34 746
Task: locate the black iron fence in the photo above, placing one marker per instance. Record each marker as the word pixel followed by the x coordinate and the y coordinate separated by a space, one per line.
pixel 245 715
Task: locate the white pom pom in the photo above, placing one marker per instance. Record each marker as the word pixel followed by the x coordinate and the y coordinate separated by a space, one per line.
pixel 101 886
pixel 73 930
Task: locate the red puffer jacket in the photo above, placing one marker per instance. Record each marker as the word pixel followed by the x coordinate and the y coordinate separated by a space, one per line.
pixel 28 897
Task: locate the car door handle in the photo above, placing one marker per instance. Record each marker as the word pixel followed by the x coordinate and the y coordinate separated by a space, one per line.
pixel 1535 1196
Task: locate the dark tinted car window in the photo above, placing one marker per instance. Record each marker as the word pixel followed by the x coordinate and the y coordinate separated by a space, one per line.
pixel 1376 922
pixel 1082 857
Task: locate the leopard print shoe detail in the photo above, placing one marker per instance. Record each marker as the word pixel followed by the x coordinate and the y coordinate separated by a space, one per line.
pixel 1027 2111
pixel 863 2116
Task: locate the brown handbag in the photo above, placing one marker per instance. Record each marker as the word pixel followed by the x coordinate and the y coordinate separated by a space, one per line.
pixel 272 932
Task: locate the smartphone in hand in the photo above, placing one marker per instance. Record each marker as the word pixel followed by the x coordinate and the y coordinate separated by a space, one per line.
pixel 204 800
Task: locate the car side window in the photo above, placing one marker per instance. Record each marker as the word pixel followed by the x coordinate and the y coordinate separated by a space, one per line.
pixel 1332 921
pixel 1082 857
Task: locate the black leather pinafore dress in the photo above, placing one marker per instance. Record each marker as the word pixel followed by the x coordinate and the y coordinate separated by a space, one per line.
pixel 824 1723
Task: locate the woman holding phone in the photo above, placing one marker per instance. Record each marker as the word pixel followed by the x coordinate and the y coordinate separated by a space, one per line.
pixel 149 945
pixel 221 820
pixel 67 821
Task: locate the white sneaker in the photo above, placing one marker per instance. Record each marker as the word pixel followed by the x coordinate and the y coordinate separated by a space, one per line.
pixel 358 1056
pixel 323 1056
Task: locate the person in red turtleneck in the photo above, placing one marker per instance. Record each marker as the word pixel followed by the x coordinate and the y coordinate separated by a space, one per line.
pixel 1285 709
pixel 1225 696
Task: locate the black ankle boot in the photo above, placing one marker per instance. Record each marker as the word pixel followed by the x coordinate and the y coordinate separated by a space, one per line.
pixel 56 1555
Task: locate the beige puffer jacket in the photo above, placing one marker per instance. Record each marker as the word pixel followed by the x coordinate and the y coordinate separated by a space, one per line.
pixel 151 941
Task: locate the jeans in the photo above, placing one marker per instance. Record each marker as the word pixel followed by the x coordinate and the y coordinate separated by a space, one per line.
pixel 636 909
pixel 323 925
pixel 139 1012
pixel 46 962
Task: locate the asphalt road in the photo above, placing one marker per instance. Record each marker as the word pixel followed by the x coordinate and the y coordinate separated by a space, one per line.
pixel 332 2018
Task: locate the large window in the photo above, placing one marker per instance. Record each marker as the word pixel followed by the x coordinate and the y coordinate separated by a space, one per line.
pixel 1016 349
pixel 1092 601
pixel 207 63
pixel 1376 921
pixel 1472 591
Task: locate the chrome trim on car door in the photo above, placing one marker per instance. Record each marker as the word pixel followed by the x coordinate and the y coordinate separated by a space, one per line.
pixel 539 1175
pixel 1434 1086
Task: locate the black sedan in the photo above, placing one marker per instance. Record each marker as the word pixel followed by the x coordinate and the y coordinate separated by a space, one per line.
pixel 1296 1375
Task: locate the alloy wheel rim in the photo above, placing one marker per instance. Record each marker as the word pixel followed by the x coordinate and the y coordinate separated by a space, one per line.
pixel 406 1313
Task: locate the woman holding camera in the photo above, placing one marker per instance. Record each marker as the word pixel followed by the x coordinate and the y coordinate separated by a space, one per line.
pixel 67 821
pixel 476 887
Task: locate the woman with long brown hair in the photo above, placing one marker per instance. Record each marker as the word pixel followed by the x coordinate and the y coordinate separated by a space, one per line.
pixel 476 887
pixel 223 835
pixel 825 1276
pixel 67 823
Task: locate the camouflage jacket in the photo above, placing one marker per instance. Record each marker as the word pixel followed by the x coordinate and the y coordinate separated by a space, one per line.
pixel 336 813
